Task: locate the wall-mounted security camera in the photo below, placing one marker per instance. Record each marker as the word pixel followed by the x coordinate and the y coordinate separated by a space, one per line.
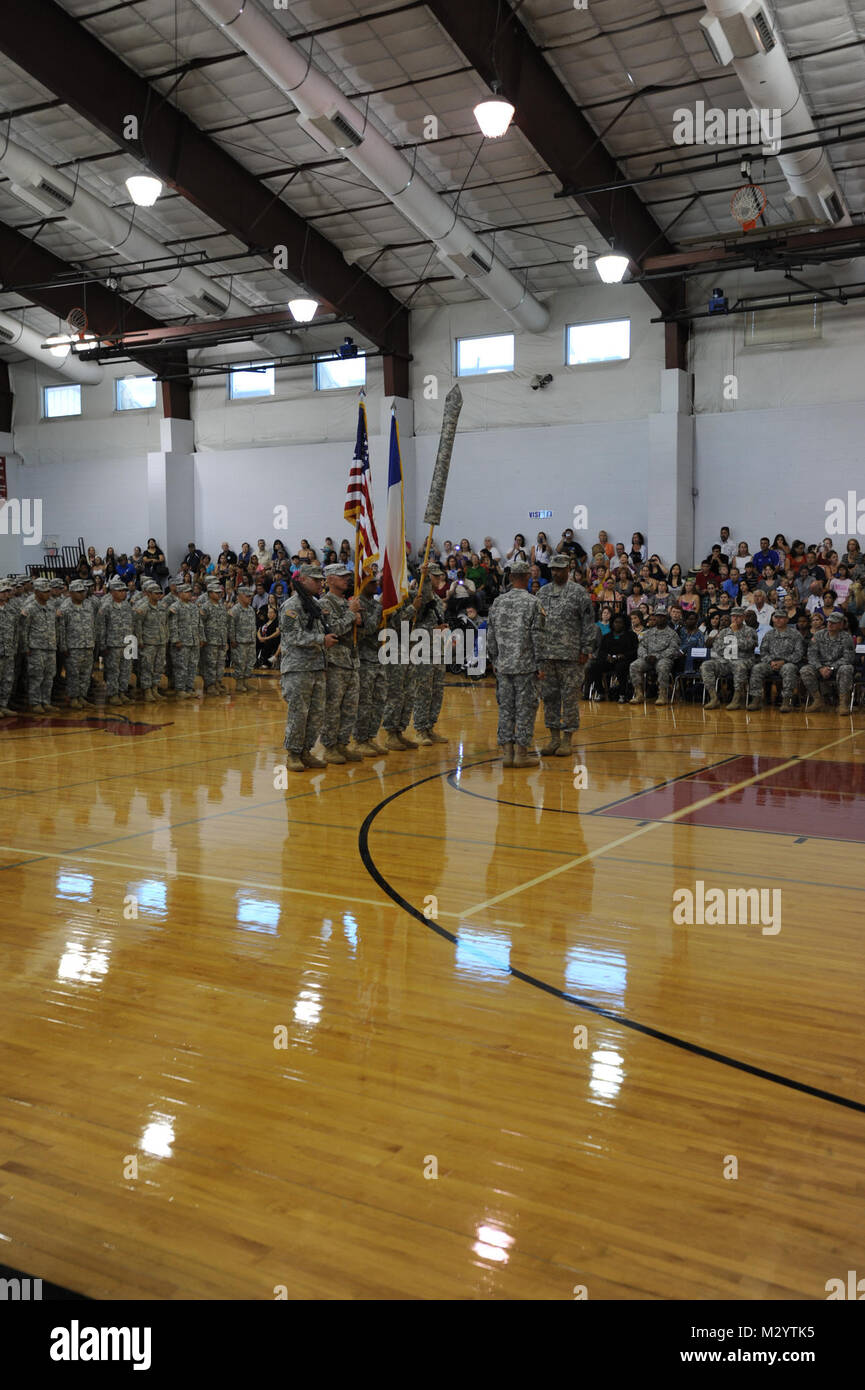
pixel 539 382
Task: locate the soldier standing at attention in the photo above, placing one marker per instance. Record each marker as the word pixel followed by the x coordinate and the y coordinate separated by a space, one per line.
pixel 241 636
pixel 514 648
pixel 76 635
pixel 187 639
pixel 22 591
pixel 831 653
pixel 429 677
pixel 732 656
pixel 372 673
pixel 56 599
pixel 304 640
pixel 567 623
pixel 214 619
pixel 39 638
pixel 8 643
pixel 782 652
pixel 658 648
pixel 342 616
pixel 115 625
pixel 152 633
pixel 399 692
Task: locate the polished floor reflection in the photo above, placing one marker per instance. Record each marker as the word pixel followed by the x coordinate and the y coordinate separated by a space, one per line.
pixel 424 1027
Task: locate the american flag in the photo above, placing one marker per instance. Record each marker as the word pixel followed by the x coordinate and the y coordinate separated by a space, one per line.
pixel 358 502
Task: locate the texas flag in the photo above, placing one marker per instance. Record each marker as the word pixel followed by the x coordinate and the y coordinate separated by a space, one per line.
pixel 394 583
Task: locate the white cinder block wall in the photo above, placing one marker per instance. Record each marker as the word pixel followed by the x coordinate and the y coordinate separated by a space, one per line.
pixel 765 461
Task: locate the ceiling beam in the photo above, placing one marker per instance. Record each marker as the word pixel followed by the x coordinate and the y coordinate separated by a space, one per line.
pixel 498 46
pixel 757 248
pixel 63 56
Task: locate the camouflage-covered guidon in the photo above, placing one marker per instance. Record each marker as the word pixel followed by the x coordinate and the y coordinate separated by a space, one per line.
pixel 435 502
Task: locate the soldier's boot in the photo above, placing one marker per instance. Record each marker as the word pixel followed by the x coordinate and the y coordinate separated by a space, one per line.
pixel 113 700
pixel 736 702
pixel 2 712
pixel 376 749
pixel 394 744
pixel 844 700
pixel 211 690
pixel 713 702
pixel 638 696
pixel 38 710
pixel 184 694
pixel 294 762
pixel 436 736
pixel 350 754
pixel 755 702
pixel 310 760
pixel 221 688
pixel 817 701
pixel 507 750
pixel 124 698
pixel 424 740
pixel 149 697
pixel 366 750
pixel 333 755
pixel 786 707
pixel 552 743
pixel 663 695
pixel 525 757
pixel 51 709
pixel 162 694
pixel 405 741
pixel 564 748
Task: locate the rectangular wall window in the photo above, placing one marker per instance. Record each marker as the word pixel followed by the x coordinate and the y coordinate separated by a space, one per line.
pixel 247 382
pixel 340 372
pixel 598 342
pixel 135 393
pixel 481 356
pixel 61 400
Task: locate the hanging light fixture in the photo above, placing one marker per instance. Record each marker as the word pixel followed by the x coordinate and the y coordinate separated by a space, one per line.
pixel 612 266
pixel 143 189
pixel 494 115
pixel 303 310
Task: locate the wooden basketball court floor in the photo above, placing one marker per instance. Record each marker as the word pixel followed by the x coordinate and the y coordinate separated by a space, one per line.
pixel 424 1027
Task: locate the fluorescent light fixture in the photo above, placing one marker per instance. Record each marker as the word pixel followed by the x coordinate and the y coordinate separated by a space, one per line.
pixel 60 350
pixel 143 189
pixel 494 117
pixel 303 310
pixel 611 268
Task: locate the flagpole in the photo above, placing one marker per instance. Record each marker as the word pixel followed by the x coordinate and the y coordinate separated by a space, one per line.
pixel 361 398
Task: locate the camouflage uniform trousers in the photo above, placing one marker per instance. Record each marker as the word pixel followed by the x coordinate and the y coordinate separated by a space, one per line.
pixel 716 668
pixel 518 698
pixel 560 692
pixel 7 679
pixel 243 660
pixel 79 669
pixel 151 664
pixel 340 710
pixel 842 673
pixel 212 663
pixel 399 694
pixel 662 667
pixel 41 666
pixel 304 694
pixel 429 691
pixel 762 671
pixel 185 661
pixel 370 703
pixel 118 669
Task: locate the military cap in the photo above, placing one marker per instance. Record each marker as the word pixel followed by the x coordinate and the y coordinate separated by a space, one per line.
pixel 559 562
pixel 6 585
pixel 116 582
pixel 740 611
pixel 780 613
pixel 214 584
pixel 311 572
pixel 42 585
pixel 337 571
pixel 436 571
pixel 836 616
pixel 78 587
pixel 520 567
pixel 246 589
pixel 57 581
pixel 184 588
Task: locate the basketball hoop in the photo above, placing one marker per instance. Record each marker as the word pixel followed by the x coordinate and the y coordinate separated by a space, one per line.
pixel 747 205
pixel 76 322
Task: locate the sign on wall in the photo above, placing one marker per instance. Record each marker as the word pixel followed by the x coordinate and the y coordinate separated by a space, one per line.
pixel 538 516
pixel 3 489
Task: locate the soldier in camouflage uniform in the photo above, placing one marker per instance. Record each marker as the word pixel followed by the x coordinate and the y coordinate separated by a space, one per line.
pixel 732 657
pixel 116 640
pixel 782 652
pixel 57 596
pixel 304 643
pixel 831 655
pixel 22 591
pixel 342 616
pixel 39 637
pixel 187 638
pixel 658 649
pixel 214 619
pixel 152 622
pixel 567 623
pixel 241 636
pixel 372 673
pixel 76 635
pixel 400 678
pixel 8 643
pixel 514 647
pixel 429 676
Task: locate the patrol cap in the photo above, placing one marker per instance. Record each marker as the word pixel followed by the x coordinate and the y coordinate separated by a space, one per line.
pixel 337 571
pixel 78 587
pixel 116 583
pixel 559 562
pixel 520 567
pixel 836 616
pixel 246 589
pixel 57 581
pixel 89 583
pixel 436 571
pixel 184 588
pixel 781 613
pixel 7 585
pixel 42 585
pixel 311 572
pixel 740 611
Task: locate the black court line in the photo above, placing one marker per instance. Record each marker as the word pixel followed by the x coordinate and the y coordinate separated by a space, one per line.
pixel 695 1049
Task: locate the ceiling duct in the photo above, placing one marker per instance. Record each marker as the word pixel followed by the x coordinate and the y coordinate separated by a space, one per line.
pixel 50 192
pixel 15 334
pixel 334 118
pixel 743 33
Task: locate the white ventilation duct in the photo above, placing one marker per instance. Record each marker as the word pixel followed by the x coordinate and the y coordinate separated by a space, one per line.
pixel 336 125
pixel 743 32
pixel 52 193
pixel 15 334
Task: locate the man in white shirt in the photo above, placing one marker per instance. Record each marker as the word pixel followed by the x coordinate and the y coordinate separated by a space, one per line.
pixel 488 545
pixel 764 610
pixel 620 558
pixel 728 546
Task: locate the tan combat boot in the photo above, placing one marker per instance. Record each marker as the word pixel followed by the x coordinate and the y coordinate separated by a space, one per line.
pixel 736 702
pixel 436 736
pixel 406 741
pixel 507 750
pixel 310 760
pixel 552 743
pixel 424 740
pixel 564 748
pixel 817 701
pixel 786 707
pixel 333 755
pixel 394 744
pixel 149 697
pixel 525 757
pixel 713 702
pixel 294 762
pixel 349 754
